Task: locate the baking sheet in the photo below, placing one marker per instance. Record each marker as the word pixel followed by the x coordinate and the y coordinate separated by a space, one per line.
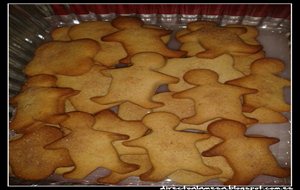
pixel 276 45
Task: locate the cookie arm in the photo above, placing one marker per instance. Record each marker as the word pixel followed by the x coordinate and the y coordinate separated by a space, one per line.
pixel 61 143
pixel 244 90
pixel 14 100
pixel 214 151
pixel 135 143
pixel 285 82
pixel 237 30
pixel 189 37
pixel 183 94
pixel 111 37
pixel 168 79
pixel 107 72
pixel 269 141
pixel 116 136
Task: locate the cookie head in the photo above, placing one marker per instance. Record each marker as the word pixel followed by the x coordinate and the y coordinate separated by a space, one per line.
pixel 227 129
pixel 161 120
pixel 151 60
pixel 200 77
pixel 267 65
pixel 193 26
pixel 127 22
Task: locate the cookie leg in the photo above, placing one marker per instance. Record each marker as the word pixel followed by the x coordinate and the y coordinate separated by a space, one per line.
pixel 196 119
pixel 155 175
pixel 112 178
pixel 210 54
pixel 123 167
pixel 278 171
pixel 147 104
pixel 79 172
pixel 206 170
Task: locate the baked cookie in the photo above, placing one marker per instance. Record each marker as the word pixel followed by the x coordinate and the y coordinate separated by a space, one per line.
pixel 264 78
pixel 142 160
pixel 110 52
pixel 129 111
pixel 187 177
pixel 219 40
pixel 242 62
pixel 181 107
pixel 107 120
pixel 249 156
pixel 65 58
pixel 223 65
pixel 90 84
pixel 212 98
pixel 136 38
pixel 161 150
pixel 61 34
pixel 136 83
pixel 46 104
pixel 266 115
pixel 90 148
pixel 30 160
pixel 250 36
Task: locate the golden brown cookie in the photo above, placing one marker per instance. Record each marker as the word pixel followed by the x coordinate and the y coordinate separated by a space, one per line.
pixel 90 84
pixel 219 40
pixel 181 107
pixel 249 156
pixel 136 38
pixel 30 160
pixel 264 78
pixel 242 62
pixel 212 98
pixel 141 160
pixel 200 127
pixel 61 34
pixel 46 104
pixel 90 148
pixel 65 58
pixel 249 36
pixel 187 177
pixel 136 83
pixel 163 143
pixel 223 65
pixel 40 81
pixel 108 121
pixel 266 115
pixel 129 111
pixel 110 52
pixel 165 38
